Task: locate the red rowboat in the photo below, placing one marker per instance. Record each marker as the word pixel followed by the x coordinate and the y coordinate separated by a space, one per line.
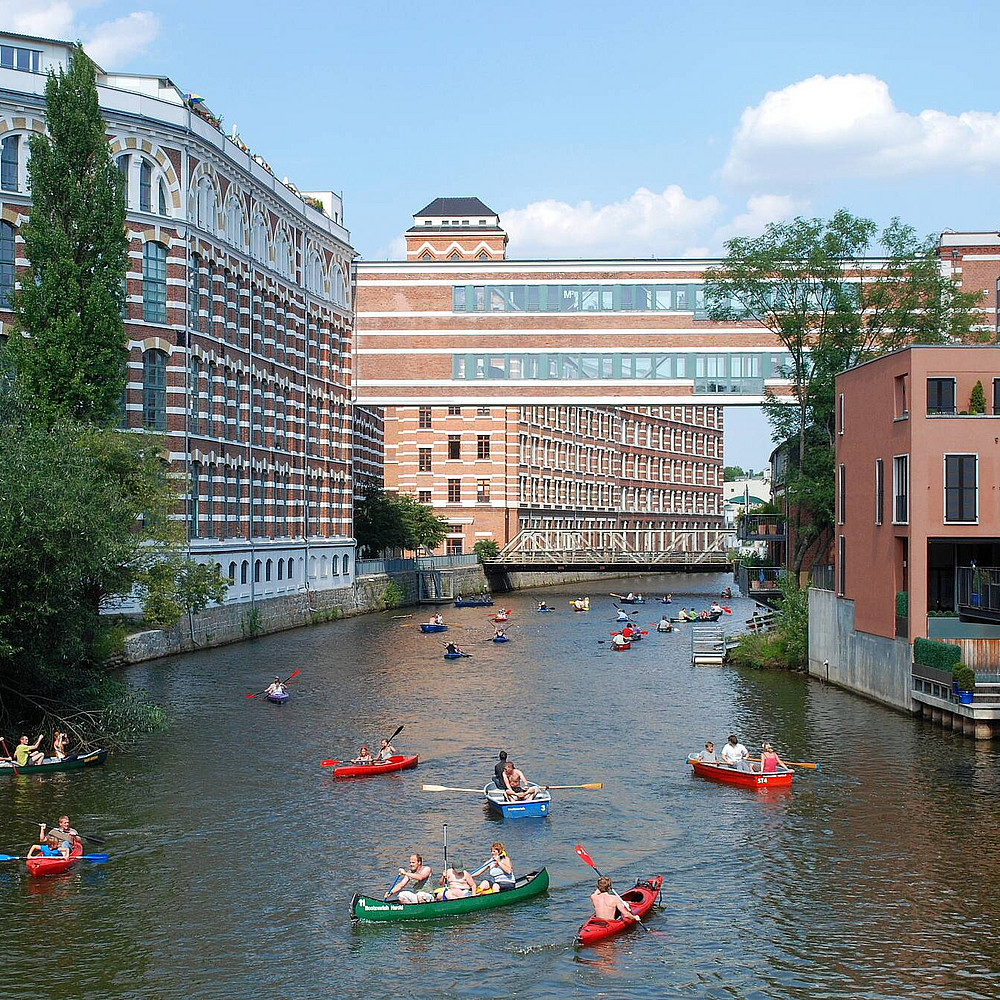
pixel 53 866
pixel 745 779
pixel 398 762
pixel 640 901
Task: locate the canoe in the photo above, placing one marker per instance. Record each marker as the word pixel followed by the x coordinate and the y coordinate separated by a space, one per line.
pixel 580 609
pixel 428 627
pixel 622 647
pixel 526 887
pixel 640 901
pixel 72 762
pixel 278 699
pixel 38 867
pixel 474 602
pixel 538 806
pixel 397 762
pixel 630 600
pixel 500 638
pixel 727 775
pixel 711 617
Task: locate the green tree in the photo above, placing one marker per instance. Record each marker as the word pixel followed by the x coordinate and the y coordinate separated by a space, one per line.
pixel 180 585
pixel 733 472
pixel 70 305
pixel 422 527
pixel 977 399
pixel 486 548
pixel 387 521
pixel 834 293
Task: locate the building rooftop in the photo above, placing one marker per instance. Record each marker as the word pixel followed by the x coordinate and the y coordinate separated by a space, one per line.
pixel 455 206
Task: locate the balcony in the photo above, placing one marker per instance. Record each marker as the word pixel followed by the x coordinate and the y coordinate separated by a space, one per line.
pixel 763 583
pixel 761 528
pixel 979 593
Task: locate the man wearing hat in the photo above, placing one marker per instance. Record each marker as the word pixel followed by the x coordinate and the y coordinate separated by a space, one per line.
pixel 735 754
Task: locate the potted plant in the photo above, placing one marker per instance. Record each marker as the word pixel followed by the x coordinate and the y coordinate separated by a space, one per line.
pixel 965 678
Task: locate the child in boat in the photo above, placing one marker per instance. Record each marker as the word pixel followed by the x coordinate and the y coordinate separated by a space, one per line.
pixel 609 905
pixel 498 632
pixel 49 845
pixel 436 620
pixel 363 757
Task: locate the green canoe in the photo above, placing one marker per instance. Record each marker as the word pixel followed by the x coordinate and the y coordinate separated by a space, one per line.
pixel 70 763
pixel 527 886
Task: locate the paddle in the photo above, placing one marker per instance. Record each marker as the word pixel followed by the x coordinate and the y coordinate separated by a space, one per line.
pixel 257 694
pixel 7 753
pixel 389 740
pixel 395 882
pixel 592 784
pixel 83 836
pixel 445 825
pixel 96 858
pixel 334 763
pixel 396 618
pixel 448 788
pixel 587 859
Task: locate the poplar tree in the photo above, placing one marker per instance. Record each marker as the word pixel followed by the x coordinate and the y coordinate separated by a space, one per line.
pixel 71 363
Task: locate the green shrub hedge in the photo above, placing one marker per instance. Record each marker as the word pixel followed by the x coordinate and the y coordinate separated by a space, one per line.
pixel 965 677
pixel 943 655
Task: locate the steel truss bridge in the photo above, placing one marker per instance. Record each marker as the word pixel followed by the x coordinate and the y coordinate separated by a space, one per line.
pixel 638 550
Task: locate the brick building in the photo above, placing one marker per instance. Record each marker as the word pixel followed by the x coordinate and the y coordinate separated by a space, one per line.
pixel 238 320
pixel 493 470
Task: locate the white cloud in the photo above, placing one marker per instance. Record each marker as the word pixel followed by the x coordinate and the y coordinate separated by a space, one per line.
pixel 849 125
pixel 110 44
pixel 115 42
pixel 646 223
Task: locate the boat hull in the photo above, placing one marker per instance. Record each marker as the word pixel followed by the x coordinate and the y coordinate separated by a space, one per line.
pixel 500 638
pixel 454 656
pixel 726 775
pixel 367 908
pixel 625 646
pixel 535 808
pixel 71 763
pixel 475 603
pixel 398 762
pixel 278 699
pixel 425 627
pixel 640 900
pixel 40 867
pixel 544 611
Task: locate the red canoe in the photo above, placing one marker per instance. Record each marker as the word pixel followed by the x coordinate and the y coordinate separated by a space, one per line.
pixel 745 779
pixel 398 762
pixel 640 901
pixel 53 866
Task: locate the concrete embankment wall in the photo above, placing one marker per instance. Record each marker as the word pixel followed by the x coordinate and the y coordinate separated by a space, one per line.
pixel 871 665
pixel 220 625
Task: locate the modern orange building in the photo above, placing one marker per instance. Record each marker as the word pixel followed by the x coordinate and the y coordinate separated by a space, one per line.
pixel 648 471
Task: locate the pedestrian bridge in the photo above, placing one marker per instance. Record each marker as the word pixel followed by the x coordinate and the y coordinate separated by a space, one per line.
pixel 638 550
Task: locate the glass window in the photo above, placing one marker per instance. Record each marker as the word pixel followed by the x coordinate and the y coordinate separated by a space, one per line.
pixel 458 298
pixel 154 283
pixel 424 496
pixel 161 205
pixel 960 488
pixel 482 446
pixel 454 491
pixel 424 459
pixel 480 300
pixel 940 395
pixel 424 417
pixel 8 162
pixel 6 261
pixel 154 390
pixel 482 491
pixel 145 186
pixel 664 297
pixel 901 489
pixel 454 446
pixel 532 298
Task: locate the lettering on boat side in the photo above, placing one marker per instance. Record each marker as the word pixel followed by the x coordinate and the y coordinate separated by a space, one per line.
pixel 378 909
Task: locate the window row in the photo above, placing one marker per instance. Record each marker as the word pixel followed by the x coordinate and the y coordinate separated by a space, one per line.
pixel 618 297
pixel 960 486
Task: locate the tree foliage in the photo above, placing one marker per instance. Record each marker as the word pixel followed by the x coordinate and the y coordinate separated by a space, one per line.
pixel 70 304
pixel 733 472
pixel 385 521
pixel 486 548
pixel 835 293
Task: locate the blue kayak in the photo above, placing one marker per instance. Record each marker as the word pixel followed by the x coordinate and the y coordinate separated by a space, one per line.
pixel 543 610
pixel 474 602
pixel 278 699
pixel 427 627
pixel 500 638
pixel 455 656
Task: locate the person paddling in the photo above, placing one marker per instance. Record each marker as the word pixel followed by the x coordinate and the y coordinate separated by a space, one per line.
pixel 67 835
pixel 364 756
pixel 412 882
pixel 453 649
pixel 500 874
pixel 608 905
pixel 275 688
pixel 387 751
pixel 28 754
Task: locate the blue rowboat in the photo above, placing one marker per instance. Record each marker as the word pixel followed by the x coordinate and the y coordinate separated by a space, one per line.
pixel 474 602
pixel 527 809
pixel 500 638
pixel 427 627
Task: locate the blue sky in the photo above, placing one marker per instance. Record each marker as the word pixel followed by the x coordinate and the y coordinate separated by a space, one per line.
pixel 627 129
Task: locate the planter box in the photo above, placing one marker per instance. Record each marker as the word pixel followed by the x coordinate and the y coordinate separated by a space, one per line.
pixel 934 674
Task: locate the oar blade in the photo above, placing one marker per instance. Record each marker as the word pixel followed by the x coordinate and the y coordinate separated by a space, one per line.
pixel 448 788
pixel 584 856
pixel 98 859
pixel 10 857
pixel 329 763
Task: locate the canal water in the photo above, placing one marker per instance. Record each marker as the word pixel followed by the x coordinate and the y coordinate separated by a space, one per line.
pixel 234 855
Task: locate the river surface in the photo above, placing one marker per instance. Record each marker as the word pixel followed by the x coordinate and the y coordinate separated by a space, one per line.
pixel 234 855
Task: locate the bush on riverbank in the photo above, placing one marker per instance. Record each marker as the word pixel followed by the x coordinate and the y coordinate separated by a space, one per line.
pixel 786 645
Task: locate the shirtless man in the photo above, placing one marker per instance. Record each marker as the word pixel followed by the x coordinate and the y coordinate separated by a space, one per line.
pixel 457 882
pixel 609 905
pixel 516 784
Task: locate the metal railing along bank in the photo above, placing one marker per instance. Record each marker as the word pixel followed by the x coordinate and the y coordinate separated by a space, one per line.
pixel 380 567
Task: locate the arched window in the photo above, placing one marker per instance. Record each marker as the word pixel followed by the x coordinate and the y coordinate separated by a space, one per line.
pixel 339 294
pixel 234 221
pixel 282 253
pixel 312 567
pixel 6 261
pixel 347 564
pixel 154 390
pixel 161 200
pixel 244 571
pixel 10 163
pixel 258 239
pixel 232 574
pixel 314 274
pixel 206 205
pixel 323 569
pixel 145 186
pixel 267 571
pixel 154 283
pixel 291 569
pixel 281 569
pixel 256 572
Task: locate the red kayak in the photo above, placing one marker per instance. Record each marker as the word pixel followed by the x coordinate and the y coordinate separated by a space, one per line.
pixel 622 647
pixel 640 901
pixel 53 866
pixel 727 775
pixel 398 762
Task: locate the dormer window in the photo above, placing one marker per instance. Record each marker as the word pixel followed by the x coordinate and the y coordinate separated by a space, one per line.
pixel 427 222
pixel 25 60
pixel 482 222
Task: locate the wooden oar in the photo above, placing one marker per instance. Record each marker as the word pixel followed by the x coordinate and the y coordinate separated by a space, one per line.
pixel 448 788
pixel 592 784
pixel 97 858
pixel 257 694
pixel 396 618
pixel 791 763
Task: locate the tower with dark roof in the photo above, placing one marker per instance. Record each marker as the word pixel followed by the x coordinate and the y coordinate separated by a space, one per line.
pixel 456 229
